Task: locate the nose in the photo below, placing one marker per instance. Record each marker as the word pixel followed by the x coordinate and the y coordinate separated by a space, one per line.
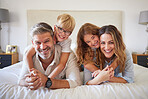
pixel 42 46
pixel 106 46
pixel 92 42
pixel 63 33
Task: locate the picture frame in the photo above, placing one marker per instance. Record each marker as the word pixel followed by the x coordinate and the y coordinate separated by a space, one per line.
pixel 11 49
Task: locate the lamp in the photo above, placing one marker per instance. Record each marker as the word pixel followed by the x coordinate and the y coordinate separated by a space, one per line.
pixel 143 19
pixel 4 17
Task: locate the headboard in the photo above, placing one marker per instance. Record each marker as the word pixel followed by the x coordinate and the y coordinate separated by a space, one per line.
pixel 98 18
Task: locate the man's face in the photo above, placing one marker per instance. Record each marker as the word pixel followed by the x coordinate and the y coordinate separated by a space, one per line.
pixel 44 45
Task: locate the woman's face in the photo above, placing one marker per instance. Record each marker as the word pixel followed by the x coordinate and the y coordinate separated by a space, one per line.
pixel 92 40
pixel 107 45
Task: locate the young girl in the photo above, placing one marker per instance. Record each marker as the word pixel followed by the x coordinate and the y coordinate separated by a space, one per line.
pixel 88 52
pixel 112 45
pixel 62 30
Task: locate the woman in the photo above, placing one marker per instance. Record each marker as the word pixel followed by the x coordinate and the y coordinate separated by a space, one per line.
pixel 88 54
pixel 112 45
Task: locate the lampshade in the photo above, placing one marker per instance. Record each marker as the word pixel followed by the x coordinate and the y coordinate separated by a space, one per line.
pixel 4 15
pixel 143 19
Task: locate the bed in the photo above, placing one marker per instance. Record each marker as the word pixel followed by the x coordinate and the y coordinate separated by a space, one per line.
pixel 9 89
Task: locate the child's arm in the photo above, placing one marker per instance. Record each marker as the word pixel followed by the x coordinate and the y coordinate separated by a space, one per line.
pixel 60 66
pixel 91 67
pixel 29 61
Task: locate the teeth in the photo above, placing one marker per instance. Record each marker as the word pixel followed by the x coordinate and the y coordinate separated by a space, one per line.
pixel 61 36
pixel 107 51
pixel 94 44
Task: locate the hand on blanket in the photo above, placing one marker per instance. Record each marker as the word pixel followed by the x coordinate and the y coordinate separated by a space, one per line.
pixel 35 79
pixel 105 75
pixel 95 73
pixel 40 76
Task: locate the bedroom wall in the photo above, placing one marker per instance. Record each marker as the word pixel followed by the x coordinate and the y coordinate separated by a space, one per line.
pixel 134 34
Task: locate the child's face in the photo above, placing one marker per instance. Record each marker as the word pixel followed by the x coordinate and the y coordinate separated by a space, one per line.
pixel 92 40
pixel 61 34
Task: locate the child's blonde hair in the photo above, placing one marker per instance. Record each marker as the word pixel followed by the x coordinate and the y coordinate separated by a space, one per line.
pixel 66 21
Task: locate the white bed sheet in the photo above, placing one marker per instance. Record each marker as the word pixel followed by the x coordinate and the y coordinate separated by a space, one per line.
pixel 137 90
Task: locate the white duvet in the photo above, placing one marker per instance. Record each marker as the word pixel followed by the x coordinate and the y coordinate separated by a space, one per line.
pixel 137 90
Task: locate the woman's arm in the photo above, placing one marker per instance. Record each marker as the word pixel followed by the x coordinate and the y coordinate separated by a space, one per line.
pixel 127 75
pixel 118 80
pixel 60 66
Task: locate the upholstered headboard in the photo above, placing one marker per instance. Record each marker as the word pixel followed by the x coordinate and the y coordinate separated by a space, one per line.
pixel 98 18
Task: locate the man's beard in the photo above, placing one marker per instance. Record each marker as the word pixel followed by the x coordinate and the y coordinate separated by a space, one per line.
pixel 51 50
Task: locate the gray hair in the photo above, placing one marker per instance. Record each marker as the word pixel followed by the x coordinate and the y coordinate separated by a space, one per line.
pixel 41 28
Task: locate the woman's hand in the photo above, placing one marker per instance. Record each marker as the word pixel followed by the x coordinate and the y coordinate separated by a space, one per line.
pixel 105 75
pixel 95 73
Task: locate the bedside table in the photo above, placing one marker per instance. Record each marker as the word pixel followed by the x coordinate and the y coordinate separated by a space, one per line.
pixel 7 59
pixel 140 59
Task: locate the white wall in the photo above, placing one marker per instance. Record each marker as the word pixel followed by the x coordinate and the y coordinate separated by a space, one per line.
pixel 134 34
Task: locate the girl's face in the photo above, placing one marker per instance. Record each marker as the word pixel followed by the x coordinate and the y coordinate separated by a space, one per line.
pixel 61 34
pixel 92 40
pixel 107 45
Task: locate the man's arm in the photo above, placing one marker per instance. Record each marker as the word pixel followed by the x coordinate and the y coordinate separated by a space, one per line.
pixel 56 83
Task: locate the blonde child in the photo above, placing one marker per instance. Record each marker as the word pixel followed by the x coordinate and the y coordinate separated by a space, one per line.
pixel 62 30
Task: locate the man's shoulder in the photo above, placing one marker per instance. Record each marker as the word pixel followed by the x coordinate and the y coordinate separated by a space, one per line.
pixel 72 55
pixel 57 47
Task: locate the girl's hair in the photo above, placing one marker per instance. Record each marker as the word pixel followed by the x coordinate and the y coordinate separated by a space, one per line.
pixel 85 53
pixel 119 45
pixel 66 21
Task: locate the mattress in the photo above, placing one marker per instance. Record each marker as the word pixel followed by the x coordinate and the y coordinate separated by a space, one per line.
pixel 9 89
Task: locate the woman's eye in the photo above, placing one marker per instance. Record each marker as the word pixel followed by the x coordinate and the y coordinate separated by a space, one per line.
pixel 111 42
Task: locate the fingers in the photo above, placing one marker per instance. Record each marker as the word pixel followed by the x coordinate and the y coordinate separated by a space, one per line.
pixel 34 71
pixel 94 74
pixel 28 75
pixel 31 79
pixel 35 85
pixel 106 68
pixel 111 72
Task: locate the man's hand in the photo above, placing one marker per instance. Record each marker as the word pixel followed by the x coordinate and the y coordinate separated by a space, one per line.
pixel 43 79
pixel 32 81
